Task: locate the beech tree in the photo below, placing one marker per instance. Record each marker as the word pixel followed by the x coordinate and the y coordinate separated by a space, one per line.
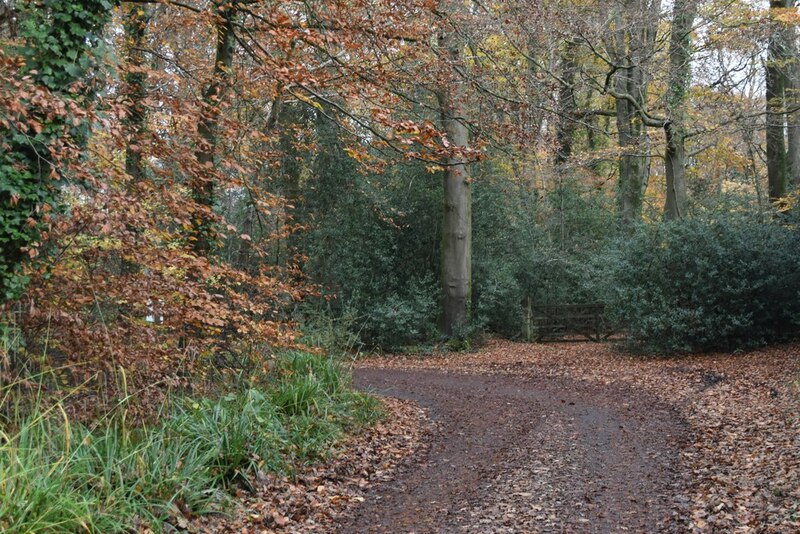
pixel 775 87
pixel 792 97
pixel 631 47
pixel 680 75
pixel 195 168
pixel 781 75
pixel 457 223
pixel 137 18
pixel 208 128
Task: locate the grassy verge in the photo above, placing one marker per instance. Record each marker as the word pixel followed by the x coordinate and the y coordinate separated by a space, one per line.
pixel 56 476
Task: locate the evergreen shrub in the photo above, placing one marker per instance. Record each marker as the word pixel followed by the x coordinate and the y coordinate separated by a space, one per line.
pixel 703 285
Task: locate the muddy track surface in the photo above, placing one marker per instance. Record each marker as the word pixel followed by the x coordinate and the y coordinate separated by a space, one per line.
pixel 520 454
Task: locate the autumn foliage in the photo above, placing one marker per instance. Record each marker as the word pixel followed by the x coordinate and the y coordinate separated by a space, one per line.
pixel 126 258
pixel 165 158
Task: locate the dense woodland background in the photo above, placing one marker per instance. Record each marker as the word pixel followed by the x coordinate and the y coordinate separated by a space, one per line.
pixel 206 206
pixel 188 185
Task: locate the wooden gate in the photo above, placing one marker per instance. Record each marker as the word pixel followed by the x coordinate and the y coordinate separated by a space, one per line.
pixel 568 322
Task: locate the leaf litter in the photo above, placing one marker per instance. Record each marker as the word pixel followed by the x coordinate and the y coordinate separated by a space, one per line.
pixel 316 495
pixel 738 468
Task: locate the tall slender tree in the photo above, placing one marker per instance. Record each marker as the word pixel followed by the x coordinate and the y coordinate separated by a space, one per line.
pixel 792 98
pixel 208 127
pixel 776 107
pixel 631 47
pixel 567 105
pixel 680 74
pixel 137 18
pixel 457 224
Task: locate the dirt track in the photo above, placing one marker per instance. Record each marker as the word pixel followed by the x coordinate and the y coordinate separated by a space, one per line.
pixel 520 454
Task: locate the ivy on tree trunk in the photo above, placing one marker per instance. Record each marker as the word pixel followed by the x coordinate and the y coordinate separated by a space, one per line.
pixel 57 40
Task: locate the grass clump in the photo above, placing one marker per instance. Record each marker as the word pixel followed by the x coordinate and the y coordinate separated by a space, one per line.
pixel 59 477
pixel 315 399
pixel 56 476
pixel 240 433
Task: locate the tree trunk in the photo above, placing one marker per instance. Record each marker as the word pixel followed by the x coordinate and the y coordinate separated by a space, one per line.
pixel 676 204
pixel 457 225
pixel 792 92
pixel 203 181
pixel 27 192
pixel 680 76
pixel 8 18
pixel 793 128
pixel 631 162
pixel 775 89
pixel 532 122
pixel 634 39
pixel 567 106
pixel 134 90
pixel 136 20
pixel 244 256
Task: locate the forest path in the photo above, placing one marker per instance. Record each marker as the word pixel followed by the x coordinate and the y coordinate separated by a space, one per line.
pixel 526 454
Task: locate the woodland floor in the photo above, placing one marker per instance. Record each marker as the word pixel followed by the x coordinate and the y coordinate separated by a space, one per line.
pixel 516 454
pixel 579 438
pixel 558 438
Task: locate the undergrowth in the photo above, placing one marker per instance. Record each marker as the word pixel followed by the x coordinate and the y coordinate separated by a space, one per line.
pixel 60 476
